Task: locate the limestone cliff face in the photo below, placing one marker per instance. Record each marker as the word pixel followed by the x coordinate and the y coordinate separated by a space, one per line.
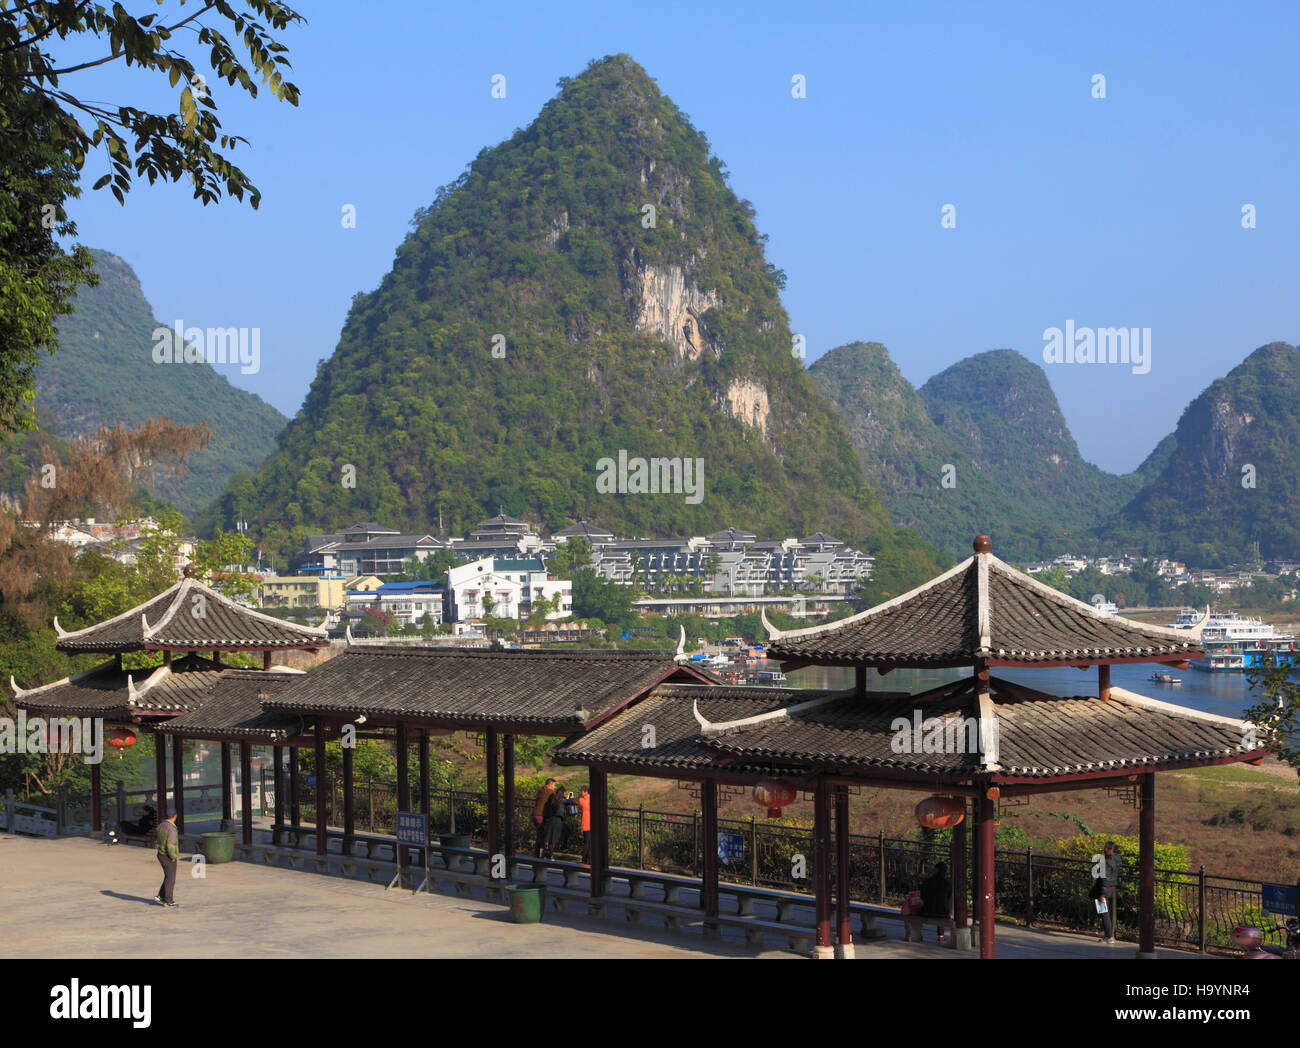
pixel 671 308
pixel 747 401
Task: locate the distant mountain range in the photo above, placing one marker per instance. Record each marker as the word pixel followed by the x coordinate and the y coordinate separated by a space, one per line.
pixel 983 445
pixel 589 297
pixel 104 373
pixel 584 325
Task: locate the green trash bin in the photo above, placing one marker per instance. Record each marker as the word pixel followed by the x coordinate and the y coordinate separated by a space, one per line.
pixel 454 840
pixel 218 847
pixel 527 902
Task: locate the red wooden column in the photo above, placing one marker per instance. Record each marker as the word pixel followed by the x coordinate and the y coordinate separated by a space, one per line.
pixel 295 810
pixel 160 770
pixel 227 808
pixel 822 870
pixel 349 801
pixel 277 759
pixel 508 839
pixel 403 782
pixel 984 901
pixel 493 796
pixel 844 948
pixel 1103 682
pixel 960 910
pixel 424 775
pixel 246 785
pixel 96 788
pixel 322 801
pixel 1147 870
pixel 598 784
pixel 709 883
pixel 178 780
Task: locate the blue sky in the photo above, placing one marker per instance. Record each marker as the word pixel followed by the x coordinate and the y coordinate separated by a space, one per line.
pixel 1115 212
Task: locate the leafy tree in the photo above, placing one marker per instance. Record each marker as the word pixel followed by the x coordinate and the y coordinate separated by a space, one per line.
pixel 46 132
pixel 1277 713
pixel 597 598
pixel 569 556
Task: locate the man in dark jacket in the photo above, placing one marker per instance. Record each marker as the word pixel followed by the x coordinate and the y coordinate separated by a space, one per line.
pixel 936 895
pixel 1111 862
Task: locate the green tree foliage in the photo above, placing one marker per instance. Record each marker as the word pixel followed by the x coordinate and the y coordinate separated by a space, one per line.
pixel 541 242
pixel 570 556
pixel 46 132
pixel 1276 714
pixel 1231 478
pixel 597 598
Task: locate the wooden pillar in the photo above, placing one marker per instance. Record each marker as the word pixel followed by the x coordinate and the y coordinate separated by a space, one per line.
pixel 1147 869
pixel 160 769
pixel 598 785
pixel 322 802
pixel 403 775
pixel 860 680
pixel 508 799
pixel 178 780
pixel 277 759
pixel 976 868
pixel 349 802
pixel 266 659
pixel 493 794
pixel 96 788
pixel 822 869
pixel 295 813
pixel 984 902
pixel 424 774
pixel 1103 682
pixel 959 907
pixel 844 947
pixel 246 789
pixel 227 808
pixel 709 883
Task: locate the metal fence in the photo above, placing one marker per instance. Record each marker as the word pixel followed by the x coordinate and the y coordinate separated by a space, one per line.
pixel 1193 909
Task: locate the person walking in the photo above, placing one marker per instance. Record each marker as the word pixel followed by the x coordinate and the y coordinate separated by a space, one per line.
pixel 1111 863
pixel 584 807
pixel 936 894
pixel 539 815
pixel 169 853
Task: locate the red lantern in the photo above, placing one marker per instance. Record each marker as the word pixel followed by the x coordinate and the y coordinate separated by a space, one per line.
pixel 772 795
pixel 940 813
pixel 121 739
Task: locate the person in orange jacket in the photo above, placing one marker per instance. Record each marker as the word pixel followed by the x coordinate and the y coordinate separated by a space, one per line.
pixel 539 819
pixel 584 805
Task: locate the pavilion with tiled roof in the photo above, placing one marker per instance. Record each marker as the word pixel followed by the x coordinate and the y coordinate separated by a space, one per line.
pixel 996 739
pixel 180 622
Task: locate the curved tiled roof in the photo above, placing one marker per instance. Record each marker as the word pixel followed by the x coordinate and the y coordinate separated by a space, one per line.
pixel 1024 734
pixel 189 615
pixel 106 691
pixel 983 609
pixel 557 691
pixel 233 709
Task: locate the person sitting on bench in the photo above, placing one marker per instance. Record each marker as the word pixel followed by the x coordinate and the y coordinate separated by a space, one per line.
pixel 141 827
pixel 936 892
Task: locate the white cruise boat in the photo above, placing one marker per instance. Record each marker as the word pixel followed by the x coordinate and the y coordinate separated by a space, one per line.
pixel 1233 643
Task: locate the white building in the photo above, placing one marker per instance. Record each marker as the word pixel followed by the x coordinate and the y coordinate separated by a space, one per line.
pixel 505 588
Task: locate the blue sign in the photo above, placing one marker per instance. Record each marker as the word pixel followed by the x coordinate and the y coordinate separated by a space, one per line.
pixel 1280 899
pixel 731 847
pixel 411 829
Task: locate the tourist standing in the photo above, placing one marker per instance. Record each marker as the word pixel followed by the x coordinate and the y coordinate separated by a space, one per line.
pixel 584 806
pixel 539 815
pixel 553 824
pixel 169 853
pixel 1111 862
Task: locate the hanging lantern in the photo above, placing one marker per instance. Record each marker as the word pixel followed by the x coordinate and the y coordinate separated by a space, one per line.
pixel 940 813
pixel 773 795
pixel 121 739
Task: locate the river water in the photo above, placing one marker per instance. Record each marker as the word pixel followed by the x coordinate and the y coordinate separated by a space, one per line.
pixel 1226 694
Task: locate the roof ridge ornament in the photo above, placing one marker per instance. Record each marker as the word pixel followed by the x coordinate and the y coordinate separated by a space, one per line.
pixel 772 632
pixel 59 631
pixel 708 727
pixel 680 654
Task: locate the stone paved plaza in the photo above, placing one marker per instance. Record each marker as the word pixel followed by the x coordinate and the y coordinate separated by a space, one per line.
pixel 73 897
